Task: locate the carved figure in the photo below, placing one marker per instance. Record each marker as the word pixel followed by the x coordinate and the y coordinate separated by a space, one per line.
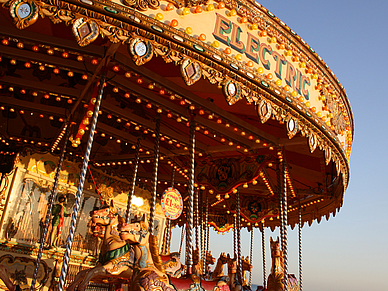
pixel 234 283
pixel 59 213
pixel 245 266
pixel 117 257
pixel 275 280
pixel 173 265
pixel 218 270
pixel 148 271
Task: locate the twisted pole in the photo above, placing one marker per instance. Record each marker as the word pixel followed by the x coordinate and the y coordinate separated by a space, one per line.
pixel 167 239
pixel 263 251
pixel 189 228
pixel 132 191
pixel 206 222
pixel 284 222
pixel 76 207
pixel 239 271
pixel 196 218
pixel 50 208
pixel 250 257
pixel 155 174
pixel 300 247
pixel 202 233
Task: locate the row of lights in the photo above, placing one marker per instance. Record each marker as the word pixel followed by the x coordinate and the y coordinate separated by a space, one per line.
pixel 306 204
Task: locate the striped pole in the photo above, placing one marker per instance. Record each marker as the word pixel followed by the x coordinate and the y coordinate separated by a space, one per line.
pixel 155 174
pixel 50 208
pixel 66 257
pixel 189 213
pixel 132 191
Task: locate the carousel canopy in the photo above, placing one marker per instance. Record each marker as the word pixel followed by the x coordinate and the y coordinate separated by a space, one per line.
pixel 258 94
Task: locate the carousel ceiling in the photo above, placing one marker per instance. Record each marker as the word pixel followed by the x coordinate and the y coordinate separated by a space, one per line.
pixel 48 73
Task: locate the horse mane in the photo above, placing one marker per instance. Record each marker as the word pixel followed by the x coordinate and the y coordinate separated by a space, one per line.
pixel 153 240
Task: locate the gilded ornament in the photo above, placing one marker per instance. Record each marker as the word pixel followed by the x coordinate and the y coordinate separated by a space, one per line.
pixel 190 71
pixel 23 12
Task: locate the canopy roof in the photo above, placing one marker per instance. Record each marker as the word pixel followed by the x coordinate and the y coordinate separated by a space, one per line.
pixel 256 91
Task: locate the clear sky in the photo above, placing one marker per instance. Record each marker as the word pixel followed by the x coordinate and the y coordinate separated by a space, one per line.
pixel 350 251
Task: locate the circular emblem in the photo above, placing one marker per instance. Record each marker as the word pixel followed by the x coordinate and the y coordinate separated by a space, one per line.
pixel 231 89
pixel 140 48
pixel 23 10
pixel 172 203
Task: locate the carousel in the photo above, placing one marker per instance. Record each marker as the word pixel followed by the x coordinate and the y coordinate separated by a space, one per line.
pixel 121 120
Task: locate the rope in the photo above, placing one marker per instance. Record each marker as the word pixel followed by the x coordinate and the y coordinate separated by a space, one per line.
pixel 74 216
pixel 49 210
pixel 189 231
pixel 155 174
pixel 132 192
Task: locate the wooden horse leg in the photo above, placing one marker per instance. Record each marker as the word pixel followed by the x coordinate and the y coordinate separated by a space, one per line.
pixel 96 271
pixel 80 276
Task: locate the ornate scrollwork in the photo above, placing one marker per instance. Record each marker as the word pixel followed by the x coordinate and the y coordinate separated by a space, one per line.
pixel 23 12
pixel 141 50
pixel 264 110
pixel 142 5
pixel 85 31
pixel 190 71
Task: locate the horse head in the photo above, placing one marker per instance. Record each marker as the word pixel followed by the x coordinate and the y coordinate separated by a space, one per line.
pixel 104 215
pixel 223 258
pixel 275 248
pixel 136 231
pixel 232 265
pixel 246 265
pixel 210 260
pixel 97 230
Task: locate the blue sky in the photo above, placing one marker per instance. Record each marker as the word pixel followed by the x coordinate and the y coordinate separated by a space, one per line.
pixel 350 251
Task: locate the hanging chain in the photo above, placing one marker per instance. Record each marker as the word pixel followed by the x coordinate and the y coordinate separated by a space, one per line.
pixel 251 258
pixel 263 251
pixel 76 207
pixel 189 213
pixel 132 191
pixel 300 247
pixel 50 208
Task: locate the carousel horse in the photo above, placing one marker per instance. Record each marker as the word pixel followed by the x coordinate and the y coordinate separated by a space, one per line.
pixel 233 283
pixel 197 265
pixel 245 266
pixel 148 273
pixel 117 257
pixel 209 260
pixel 172 264
pixel 275 280
pixel 218 270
